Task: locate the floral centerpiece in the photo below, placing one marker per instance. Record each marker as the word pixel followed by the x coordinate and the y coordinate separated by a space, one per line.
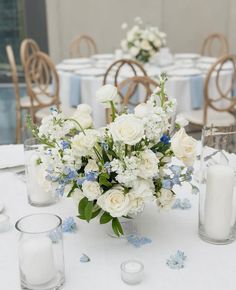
pixel 142 42
pixel 114 171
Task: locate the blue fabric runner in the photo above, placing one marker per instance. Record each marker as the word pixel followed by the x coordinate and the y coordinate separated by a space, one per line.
pixel 196 90
pixel 75 94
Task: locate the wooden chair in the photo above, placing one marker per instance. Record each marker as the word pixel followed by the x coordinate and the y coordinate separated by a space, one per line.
pixel 207 47
pixel 115 68
pixel 22 103
pixel 27 48
pixel 217 109
pixel 80 41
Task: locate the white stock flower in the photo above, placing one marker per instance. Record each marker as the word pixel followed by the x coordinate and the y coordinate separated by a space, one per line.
pixel 181 121
pixel 115 202
pixel 134 51
pixel 140 194
pixel 82 144
pixel 145 45
pixel 166 199
pixel 142 110
pixel 148 167
pixel 91 189
pixel 124 25
pixel 128 129
pixel 84 109
pixel 184 147
pixel 107 94
pixel 91 166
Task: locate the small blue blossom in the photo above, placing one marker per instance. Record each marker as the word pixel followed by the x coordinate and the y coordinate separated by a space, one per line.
pixel 91 176
pixel 80 180
pixel 182 204
pixel 137 241
pixel 84 258
pixel 165 139
pixel 175 169
pixel 53 110
pixel 49 169
pixel 190 170
pixel 167 184
pixel 188 177
pixel 107 165
pixel 60 190
pixel 175 180
pixel 195 189
pixel 55 235
pixel 65 145
pixel 176 261
pixel 104 146
pixel 70 174
pixel 69 225
pixel 48 177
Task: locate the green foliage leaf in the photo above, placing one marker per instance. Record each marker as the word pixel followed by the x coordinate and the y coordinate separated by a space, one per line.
pixel 88 211
pixel 82 205
pixel 105 218
pixel 116 226
pixel 103 180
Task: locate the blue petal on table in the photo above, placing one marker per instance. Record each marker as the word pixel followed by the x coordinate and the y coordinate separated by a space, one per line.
pixel 84 258
pixel 138 241
pixel 176 261
pixel 69 225
pixel 182 204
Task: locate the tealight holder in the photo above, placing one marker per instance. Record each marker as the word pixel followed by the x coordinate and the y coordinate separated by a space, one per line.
pixel 132 272
pixel 217 185
pixel 39 189
pixel 40 251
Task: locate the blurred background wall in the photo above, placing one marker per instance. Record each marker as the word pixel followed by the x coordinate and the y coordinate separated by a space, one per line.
pixel 186 22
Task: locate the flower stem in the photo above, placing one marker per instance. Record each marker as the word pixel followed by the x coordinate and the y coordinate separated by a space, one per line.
pixel 113 111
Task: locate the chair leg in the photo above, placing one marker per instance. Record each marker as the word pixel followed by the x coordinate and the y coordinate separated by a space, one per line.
pixel 18 127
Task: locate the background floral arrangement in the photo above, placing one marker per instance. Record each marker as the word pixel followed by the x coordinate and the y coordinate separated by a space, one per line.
pixel 142 42
pixel 114 171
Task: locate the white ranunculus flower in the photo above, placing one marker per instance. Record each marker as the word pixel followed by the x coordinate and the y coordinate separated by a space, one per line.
pixel 107 94
pixel 166 199
pixel 84 119
pixel 140 194
pixel 82 144
pixel 181 121
pixel 142 110
pixel 91 189
pixel 84 109
pixel 145 45
pixel 184 147
pixel 148 167
pixel 91 166
pixel 128 129
pixel 134 51
pixel 115 202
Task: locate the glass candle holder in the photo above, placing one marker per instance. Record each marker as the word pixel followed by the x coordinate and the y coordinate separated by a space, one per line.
pixel 217 185
pixel 132 272
pixel 40 250
pixel 39 189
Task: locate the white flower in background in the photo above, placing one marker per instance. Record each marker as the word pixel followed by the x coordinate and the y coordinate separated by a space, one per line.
pixel 140 194
pixel 128 129
pixel 134 51
pixel 151 36
pixel 148 167
pixel 91 189
pixel 124 45
pixel 138 20
pixel 142 110
pixel 82 144
pixel 166 199
pixel 91 166
pixel 157 42
pixel 124 25
pixel 181 121
pixel 115 202
pixel 107 94
pixel 84 119
pixel 184 147
pixel 145 45
pixel 84 109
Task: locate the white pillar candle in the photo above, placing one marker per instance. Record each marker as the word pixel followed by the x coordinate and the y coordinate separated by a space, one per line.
pixel 37 261
pixel 219 201
pixel 132 272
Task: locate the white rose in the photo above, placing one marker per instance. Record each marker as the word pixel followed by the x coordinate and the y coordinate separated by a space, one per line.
pixel 115 202
pixel 85 120
pixel 148 167
pixel 142 110
pixel 157 42
pixel 84 109
pixel 184 147
pixel 77 195
pixel 91 166
pixel 181 121
pixel 91 189
pixel 134 51
pixel 128 129
pixel 145 45
pixel 140 194
pixel 107 94
pixel 166 199
pixel 82 144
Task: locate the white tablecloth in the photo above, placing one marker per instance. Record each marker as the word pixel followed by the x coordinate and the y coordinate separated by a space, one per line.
pixel 208 267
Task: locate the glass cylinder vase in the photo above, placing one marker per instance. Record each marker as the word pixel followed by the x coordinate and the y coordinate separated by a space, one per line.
pixel 217 185
pixel 40 250
pixel 39 189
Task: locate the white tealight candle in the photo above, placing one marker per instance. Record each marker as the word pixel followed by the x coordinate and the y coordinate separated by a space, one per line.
pixel 132 272
pixel 4 223
pixel 37 260
pixel 219 202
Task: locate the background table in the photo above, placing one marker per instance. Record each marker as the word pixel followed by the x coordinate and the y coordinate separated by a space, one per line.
pixel 208 267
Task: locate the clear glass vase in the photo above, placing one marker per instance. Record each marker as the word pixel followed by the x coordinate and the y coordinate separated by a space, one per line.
pixel 129 227
pixel 40 250
pixel 217 185
pixel 39 190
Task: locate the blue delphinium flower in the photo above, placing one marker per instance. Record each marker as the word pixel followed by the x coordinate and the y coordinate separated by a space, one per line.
pixel 182 204
pixel 176 261
pixel 65 145
pixel 91 176
pixel 84 258
pixel 165 139
pixel 69 225
pixel 60 190
pixel 176 180
pixel 167 184
pixel 107 165
pixel 137 241
pixel 80 180
pixel 175 169
pixel 70 173
pixel 104 146
pixel 53 110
